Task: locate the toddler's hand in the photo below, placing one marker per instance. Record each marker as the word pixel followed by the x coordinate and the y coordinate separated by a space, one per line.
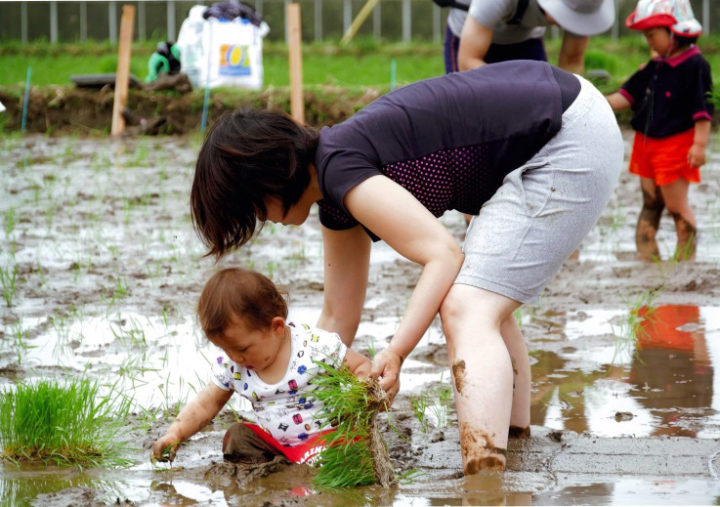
pixel 165 447
pixel 387 365
pixel 696 155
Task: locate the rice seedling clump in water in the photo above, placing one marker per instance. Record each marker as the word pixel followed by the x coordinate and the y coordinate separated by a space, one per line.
pixel 355 453
pixel 68 424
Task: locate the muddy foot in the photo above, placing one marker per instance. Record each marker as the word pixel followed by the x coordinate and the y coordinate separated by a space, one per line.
pixel 519 432
pixel 495 460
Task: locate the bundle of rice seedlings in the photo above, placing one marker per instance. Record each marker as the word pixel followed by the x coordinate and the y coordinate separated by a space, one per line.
pixel 68 424
pixel 355 453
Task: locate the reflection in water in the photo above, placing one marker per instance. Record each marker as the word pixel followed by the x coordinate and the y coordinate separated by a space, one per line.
pixel 671 371
pixel 23 488
pixel 667 389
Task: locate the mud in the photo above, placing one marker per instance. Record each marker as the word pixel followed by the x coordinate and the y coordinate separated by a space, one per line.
pixel 479 451
pixel 518 432
pixel 458 373
pixel 106 271
pixel 67 110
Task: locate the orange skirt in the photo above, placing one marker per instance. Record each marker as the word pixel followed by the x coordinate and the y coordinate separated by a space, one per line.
pixel 664 160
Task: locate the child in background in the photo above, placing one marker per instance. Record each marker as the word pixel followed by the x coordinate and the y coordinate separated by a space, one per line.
pixel 670 97
pixel 269 362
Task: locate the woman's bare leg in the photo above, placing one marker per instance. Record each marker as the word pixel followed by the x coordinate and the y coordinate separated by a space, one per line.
pixel 675 195
pixel 515 343
pixel 482 373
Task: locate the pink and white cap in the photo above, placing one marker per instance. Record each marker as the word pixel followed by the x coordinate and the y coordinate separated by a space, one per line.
pixel 677 15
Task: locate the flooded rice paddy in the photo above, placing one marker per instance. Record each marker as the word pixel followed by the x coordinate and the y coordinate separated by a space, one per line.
pixel 101 271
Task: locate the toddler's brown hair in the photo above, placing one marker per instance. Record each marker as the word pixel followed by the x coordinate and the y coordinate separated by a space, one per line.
pixel 246 294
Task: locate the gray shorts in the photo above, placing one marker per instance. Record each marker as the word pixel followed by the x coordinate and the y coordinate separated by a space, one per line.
pixel 543 209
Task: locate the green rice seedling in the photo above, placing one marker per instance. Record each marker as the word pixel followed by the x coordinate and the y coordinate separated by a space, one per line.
pixel 15 341
pixel 142 153
pixel 299 255
pixel 371 349
pixel 9 225
pixel 121 291
pixel 8 280
pixel 270 268
pixel 684 252
pixel 356 453
pixel 441 408
pixel 165 314
pixel 641 308
pixel 170 409
pixel 131 336
pixel 436 403
pixel 41 273
pixel 64 424
pixel 518 314
pixel 419 405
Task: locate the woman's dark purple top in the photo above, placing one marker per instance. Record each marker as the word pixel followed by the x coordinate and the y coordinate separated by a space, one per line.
pixel 449 141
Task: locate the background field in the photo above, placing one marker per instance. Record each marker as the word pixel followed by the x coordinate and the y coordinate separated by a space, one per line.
pixel 363 63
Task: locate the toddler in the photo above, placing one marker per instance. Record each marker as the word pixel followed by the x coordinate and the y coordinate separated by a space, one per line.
pixel 269 362
pixel 670 97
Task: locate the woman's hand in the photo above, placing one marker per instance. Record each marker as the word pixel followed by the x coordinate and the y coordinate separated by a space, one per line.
pixel 387 365
pixel 165 447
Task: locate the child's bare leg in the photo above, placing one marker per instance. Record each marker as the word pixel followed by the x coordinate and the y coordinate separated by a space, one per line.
pixel 675 195
pixel 515 343
pixel 482 373
pixel 242 445
pixel 649 220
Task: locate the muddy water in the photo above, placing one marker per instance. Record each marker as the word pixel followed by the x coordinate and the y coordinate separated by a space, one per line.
pixel 107 270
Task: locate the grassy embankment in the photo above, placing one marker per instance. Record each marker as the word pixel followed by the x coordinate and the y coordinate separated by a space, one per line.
pixel 361 64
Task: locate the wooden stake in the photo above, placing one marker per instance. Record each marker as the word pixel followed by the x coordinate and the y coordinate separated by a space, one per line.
pixel 122 76
pixel 297 104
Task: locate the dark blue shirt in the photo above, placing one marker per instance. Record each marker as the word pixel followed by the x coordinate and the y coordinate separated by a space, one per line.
pixel 668 95
pixel 449 141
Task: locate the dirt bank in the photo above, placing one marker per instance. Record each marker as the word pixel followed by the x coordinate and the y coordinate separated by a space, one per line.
pixel 66 110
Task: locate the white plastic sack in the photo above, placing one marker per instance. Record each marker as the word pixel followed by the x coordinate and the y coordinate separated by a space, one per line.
pixel 217 52
pixel 189 43
pixel 233 54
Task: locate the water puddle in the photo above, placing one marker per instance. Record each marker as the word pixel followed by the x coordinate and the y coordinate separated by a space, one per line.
pixel 102 270
pixel 662 384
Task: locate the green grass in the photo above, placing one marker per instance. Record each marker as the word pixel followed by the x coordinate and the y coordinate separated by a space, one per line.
pixel 362 63
pixel 68 424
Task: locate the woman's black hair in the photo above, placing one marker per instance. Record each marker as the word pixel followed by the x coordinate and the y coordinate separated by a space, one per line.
pixel 248 155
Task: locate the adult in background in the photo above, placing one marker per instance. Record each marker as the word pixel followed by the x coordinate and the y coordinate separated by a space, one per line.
pixel 536 147
pixel 500 30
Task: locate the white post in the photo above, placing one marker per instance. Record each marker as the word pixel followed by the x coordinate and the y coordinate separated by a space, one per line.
pixel 406 20
pixel 53 22
pixel 83 21
pixel 286 3
pixel 142 23
pixel 24 22
pixel 706 17
pixel 615 30
pixel 112 21
pixel 171 20
pixel 318 20
pixel 436 23
pixel 347 15
pixel 377 21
